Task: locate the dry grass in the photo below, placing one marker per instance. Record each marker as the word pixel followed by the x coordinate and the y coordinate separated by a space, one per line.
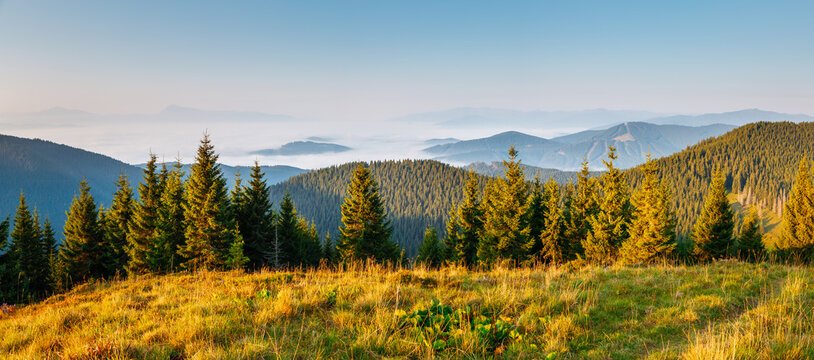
pixel 725 310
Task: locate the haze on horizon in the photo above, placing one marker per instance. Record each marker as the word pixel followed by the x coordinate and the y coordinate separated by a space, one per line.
pixel 347 66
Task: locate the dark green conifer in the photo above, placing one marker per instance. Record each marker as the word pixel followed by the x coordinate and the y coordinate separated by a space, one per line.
pixel 750 242
pixel 288 233
pixel 713 231
pixel 117 223
pixel 452 236
pixel 365 230
pixel 505 221
pixel 255 219
pixel 430 253
pixel 82 253
pixel 170 224
pixel 329 250
pixel 609 227
pixel 470 224
pixel 487 243
pixel 8 264
pixel 32 265
pixel 552 242
pixel 210 225
pixel 143 247
pixel 584 206
pixel 536 214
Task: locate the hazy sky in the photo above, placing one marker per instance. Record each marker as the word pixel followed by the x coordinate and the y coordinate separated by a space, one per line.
pixel 343 60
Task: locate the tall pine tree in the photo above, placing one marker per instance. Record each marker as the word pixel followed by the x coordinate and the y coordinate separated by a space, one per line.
pixel 32 265
pixel 82 254
pixel 609 226
pixel 470 224
pixel 553 245
pixel 750 241
pixel 170 225
pixel 713 230
pixel 583 207
pixel 211 229
pixel 430 253
pixel 365 230
pixel 652 230
pixel 117 223
pixel 143 246
pixel 797 224
pixel 288 234
pixel 255 219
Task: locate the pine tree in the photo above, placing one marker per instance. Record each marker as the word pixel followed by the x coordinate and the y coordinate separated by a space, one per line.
pixel 51 252
pixel 452 236
pixel 713 231
pixel 82 253
pixel 117 224
pixel 797 226
pixel 609 227
pixel 750 242
pixel 365 230
pixel 255 219
pixel 584 206
pixel 288 233
pixel 210 224
pixel 32 276
pixel 236 260
pixel 487 243
pixel 170 224
pixel 537 212
pixel 652 230
pixel 470 224
pixel 505 221
pixel 571 248
pixel 552 242
pixel 7 264
pixel 143 247
pixel 329 250
pixel 430 252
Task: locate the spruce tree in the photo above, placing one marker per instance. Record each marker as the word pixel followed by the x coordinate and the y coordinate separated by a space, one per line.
pixel 797 228
pixel 713 231
pixel 51 250
pixel 609 227
pixel 210 225
pixel 652 230
pixel 83 252
pixel 143 247
pixel 750 242
pixel 552 242
pixel 487 243
pixel 584 206
pixel 536 214
pixel 117 224
pixel 32 276
pixel 430 253
pixel 8 264
pixel 470 224
pixel 329 250
pixel 365 230
pixel 571 248
pixel 255 219
pixel 505 221
pixel 452 236
pixel 170 225
pixel 288 233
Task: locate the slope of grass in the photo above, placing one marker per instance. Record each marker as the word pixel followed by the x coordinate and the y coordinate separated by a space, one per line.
pixel 723 310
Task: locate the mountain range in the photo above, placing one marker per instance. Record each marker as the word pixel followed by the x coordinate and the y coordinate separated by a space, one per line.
pixel 303 148
pixel 633 141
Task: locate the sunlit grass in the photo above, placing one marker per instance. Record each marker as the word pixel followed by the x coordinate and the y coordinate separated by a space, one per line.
pixel 723 310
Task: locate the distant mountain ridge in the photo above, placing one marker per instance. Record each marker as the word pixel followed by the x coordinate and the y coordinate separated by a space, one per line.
pixel 303 148
pixel 632 140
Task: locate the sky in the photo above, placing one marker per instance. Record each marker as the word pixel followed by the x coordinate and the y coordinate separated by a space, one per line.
pixel 341 61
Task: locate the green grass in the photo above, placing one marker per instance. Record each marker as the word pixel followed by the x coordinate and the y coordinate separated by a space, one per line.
pixel 726 310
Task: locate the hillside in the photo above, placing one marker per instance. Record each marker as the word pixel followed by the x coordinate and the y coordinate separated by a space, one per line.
pixel 274 174
pixel 760 161
pixel 496 169
pixel 49 175
pixel 416 193
pixel 737 118
pixel 723 310
pixel 633 140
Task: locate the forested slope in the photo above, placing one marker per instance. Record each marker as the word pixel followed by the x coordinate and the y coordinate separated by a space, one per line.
pixel 760 161
pixel 416 193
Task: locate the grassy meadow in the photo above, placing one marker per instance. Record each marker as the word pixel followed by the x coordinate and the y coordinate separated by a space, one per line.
pixel 725 310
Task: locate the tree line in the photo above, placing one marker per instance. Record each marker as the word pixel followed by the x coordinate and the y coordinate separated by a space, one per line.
pixel 597 220
pixel 187 224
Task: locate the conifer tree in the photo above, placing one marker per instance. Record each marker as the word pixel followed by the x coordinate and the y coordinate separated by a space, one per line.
pixel 797 226
pixel 552 242
pixel 652 230
pixel 288 233
pixel 329 250
pixel 210 225
pixel 255 219
pixel 584 206
pixel 82 253
pixel 117 223
pixel 7 264
pixel 470 224
pixel 143 247
pixel 713 231
pixel 750 242
pixel 365 230
pixel 536 214
pixel 609 227
pixel 170 225
pixel 51 251
pixel 452 236
pixel 236 260
pixel 32 276
pixel 571 248
pixel 487 244
pixel 430 252
pixel 505 221
pixel 310 248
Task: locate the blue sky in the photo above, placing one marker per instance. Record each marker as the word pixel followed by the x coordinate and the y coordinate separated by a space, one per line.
pixel 340 60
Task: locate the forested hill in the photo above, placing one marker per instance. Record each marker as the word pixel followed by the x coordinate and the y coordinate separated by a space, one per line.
pixel 416 193
pixel 760 161
pixel 49 174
